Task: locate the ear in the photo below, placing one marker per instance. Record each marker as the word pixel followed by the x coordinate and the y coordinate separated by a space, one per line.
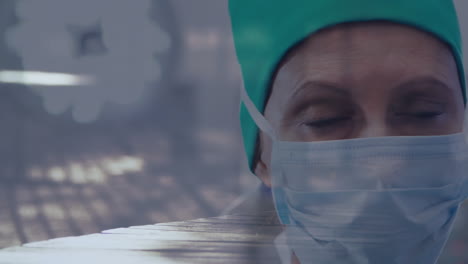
pixel 263 172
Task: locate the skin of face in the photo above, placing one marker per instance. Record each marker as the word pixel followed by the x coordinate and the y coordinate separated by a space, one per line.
pixel 367 79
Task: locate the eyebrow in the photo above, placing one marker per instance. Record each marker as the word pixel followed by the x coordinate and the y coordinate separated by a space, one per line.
pixel 425 82
pixel 321 86
pixel 427 87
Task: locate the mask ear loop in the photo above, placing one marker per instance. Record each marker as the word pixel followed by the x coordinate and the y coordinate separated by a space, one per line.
pixel 259 119
pixel 265 126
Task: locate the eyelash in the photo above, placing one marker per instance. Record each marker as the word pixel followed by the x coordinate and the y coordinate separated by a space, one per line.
pixel 422 115
pixel 327 122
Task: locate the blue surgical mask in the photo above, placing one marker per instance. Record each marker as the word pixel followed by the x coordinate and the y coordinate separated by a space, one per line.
pixel 367 200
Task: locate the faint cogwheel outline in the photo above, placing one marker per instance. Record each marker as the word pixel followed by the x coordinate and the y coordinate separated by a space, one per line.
pixel 115 42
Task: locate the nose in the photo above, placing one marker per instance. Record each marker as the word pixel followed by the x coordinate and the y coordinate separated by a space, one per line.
pixel 376 128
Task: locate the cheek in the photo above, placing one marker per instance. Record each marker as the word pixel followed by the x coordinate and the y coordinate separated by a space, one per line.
pixel 455 119
pixel 444 126
pixel 457 124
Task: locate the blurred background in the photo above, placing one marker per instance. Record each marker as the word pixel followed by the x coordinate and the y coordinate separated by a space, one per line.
pixel 155 139
pixel 140 127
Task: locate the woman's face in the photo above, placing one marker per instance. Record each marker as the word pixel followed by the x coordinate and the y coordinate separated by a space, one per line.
pixel 364 80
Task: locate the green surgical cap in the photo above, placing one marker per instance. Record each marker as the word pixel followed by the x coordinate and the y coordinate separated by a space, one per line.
pixel 264 30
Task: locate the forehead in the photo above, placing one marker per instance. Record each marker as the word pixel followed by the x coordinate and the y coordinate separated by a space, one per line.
pixel 354 51
pixel 339 36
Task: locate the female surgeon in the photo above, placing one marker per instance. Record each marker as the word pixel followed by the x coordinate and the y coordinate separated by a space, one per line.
pixel 360 110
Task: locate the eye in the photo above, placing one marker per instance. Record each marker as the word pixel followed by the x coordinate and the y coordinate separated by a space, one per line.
pixel 327 122
pixel 422 108
pixel 426 114
pixel 421 114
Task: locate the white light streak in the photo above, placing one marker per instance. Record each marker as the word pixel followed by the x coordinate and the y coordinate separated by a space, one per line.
pixel 97 172
pixel 44 78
